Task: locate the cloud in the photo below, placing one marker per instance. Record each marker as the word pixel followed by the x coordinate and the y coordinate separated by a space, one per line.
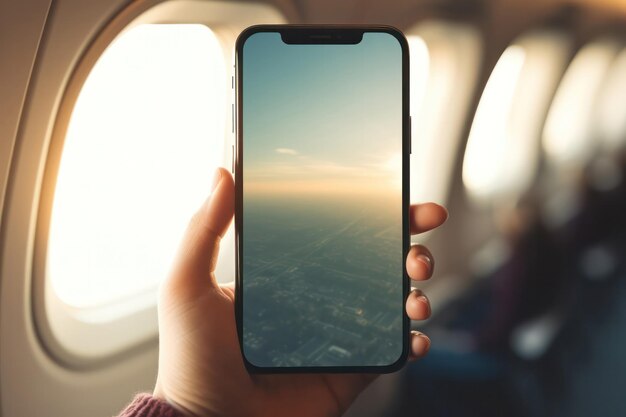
pixel 317 169
pixel 286 151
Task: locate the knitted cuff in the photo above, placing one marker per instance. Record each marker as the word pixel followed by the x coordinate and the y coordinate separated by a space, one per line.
pixel 145 405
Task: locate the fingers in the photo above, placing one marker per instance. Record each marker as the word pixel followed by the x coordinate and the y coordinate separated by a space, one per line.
pixel 420 344
pixel 420 263
pixel 420 266
pixel 417 305
pixel 194 265
pixel 427 216
pixel 418 308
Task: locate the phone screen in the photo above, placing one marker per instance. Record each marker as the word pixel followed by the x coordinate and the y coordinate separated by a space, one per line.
pixel 321 217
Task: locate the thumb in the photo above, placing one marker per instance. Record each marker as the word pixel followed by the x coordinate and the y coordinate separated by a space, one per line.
pixel 195 263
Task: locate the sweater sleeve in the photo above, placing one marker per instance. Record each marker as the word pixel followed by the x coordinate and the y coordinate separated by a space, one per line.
pixel 145 405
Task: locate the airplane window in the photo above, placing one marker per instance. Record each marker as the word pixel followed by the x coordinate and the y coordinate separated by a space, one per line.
pixel 567 136
pixel 145 135
pixel 484 157
pixel 444 66
pixel 611 123
pixel 503 146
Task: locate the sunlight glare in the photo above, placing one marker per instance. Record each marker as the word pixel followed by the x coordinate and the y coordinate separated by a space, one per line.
pixel 394 166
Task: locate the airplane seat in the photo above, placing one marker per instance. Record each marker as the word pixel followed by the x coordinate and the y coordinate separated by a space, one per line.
pixel 602 187
pixel 603 231
pixel 606 191
pixel 559 217
pixel 589 241
pixel 528 306
pixel 599 236
pixel 596 234
pixel 565 213
pixel 470 357
pixel 522 287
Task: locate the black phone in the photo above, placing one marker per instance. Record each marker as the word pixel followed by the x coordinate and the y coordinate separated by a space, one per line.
pixel 322 198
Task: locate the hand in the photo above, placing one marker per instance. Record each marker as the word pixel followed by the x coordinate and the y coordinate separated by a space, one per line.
pixel 201 371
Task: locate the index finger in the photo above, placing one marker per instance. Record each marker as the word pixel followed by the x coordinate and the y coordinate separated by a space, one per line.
pixel 426 216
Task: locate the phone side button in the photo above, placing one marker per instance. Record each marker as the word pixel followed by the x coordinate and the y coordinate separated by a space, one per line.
pixel 232 159
pixel 410 135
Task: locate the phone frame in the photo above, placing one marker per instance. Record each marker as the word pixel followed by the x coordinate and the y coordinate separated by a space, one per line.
pixel 321 34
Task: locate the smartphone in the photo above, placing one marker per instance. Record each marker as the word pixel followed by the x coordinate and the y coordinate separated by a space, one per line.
pixel 322 198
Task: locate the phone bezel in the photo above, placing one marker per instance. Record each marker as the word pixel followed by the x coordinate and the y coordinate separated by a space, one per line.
pixel 328 32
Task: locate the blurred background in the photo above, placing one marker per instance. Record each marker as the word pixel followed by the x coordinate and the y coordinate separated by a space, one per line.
pixel 519 128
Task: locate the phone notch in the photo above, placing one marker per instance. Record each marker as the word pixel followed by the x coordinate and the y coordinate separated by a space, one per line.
pixel 325 36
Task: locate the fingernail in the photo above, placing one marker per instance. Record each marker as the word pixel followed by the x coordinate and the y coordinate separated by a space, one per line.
pixel 446 210
pixel 423 299
pixel 425 339
pixel 426 260
pixel 217 178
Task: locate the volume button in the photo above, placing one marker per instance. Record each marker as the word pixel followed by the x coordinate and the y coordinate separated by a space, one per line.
pixel 410 135
pixel 232 159
pixel 232 118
